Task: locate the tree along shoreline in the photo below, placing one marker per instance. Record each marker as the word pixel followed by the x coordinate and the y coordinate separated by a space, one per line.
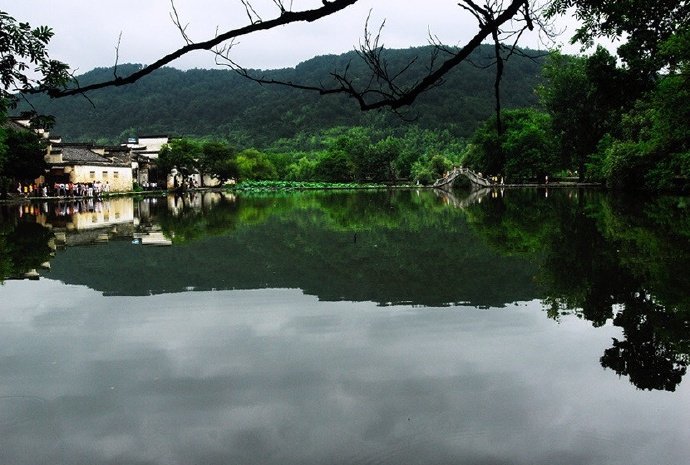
pixel 249 187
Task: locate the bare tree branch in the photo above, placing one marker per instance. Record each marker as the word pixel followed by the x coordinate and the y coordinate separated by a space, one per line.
pixel 288 17
pixel 499 20
pixel 389 93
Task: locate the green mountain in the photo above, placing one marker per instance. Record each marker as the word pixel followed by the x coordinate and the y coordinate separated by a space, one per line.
pixel 220 103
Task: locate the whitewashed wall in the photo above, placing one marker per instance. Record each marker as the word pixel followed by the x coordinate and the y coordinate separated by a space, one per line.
pixel 118 177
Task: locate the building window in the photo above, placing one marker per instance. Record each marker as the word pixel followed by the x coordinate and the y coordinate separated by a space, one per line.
pixel 116 174
pixel 92 174
pixel 105 174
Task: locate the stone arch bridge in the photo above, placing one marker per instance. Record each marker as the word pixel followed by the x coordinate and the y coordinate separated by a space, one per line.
pixel 476 179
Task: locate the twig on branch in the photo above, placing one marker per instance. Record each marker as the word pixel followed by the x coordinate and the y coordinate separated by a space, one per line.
pixel 117 55
pixel 176 21
pixel 251 13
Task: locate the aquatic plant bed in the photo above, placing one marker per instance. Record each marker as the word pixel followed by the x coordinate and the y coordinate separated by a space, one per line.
pixel 249 186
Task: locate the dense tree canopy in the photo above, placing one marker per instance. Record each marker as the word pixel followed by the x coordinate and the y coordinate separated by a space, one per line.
pixel 24 65
pixel 218 160
pixel 621 123
pixel 23 155
pixel 342 154
pixel 198 103
pixel 524 151
pixel 584 96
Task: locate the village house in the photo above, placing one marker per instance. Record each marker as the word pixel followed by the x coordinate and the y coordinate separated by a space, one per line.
pixel 81 163
pixel 145 151
pixel 118 166
pixel 19 123
pixel 149 146
pixel 86 163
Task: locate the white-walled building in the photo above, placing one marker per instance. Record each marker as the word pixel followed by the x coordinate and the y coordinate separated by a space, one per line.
pixel 84 163
pixel 145 150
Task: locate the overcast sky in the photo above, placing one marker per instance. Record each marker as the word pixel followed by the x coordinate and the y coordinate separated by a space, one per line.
pixel 86 33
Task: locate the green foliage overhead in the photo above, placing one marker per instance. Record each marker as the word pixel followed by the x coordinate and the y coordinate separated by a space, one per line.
pixel 24 60
pixel 642 25
pixel 652 148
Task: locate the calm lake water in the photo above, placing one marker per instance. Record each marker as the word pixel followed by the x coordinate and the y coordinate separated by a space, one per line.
pixel 406 327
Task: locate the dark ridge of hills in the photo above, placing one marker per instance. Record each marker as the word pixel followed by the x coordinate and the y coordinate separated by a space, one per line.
pixel 220 103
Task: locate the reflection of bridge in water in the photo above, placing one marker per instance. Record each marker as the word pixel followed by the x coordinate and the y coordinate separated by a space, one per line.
pixel 474 197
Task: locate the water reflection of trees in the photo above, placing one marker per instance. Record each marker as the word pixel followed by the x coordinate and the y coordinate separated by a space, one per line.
pixel 600 258
pixel 604 259
pixel 386 247
pixel 24 244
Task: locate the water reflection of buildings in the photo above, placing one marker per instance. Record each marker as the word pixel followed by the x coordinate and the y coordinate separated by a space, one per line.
pixel 72 222
pixel 87 221
pixel 196 201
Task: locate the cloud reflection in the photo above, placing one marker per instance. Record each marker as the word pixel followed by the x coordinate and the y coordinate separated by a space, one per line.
pixel 274 376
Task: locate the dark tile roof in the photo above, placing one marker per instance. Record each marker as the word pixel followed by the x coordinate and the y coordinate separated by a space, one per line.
pixel 120 158
pixel 13 125
pixel 83 155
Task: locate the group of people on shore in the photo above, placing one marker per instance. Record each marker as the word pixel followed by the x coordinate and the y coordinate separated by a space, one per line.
pixel 61 189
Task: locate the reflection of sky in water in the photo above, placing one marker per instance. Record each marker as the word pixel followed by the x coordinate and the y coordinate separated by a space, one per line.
pixel 274 376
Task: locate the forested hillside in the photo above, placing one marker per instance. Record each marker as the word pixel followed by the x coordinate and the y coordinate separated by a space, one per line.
pixel 221 104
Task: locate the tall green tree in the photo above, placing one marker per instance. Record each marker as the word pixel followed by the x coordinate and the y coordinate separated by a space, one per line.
pixel 181 154
pixel 652 151
pixel 334 166
pixel 23 157
pixel 219 160
pixel 524 151
pixel 24 65
pixel 585 97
